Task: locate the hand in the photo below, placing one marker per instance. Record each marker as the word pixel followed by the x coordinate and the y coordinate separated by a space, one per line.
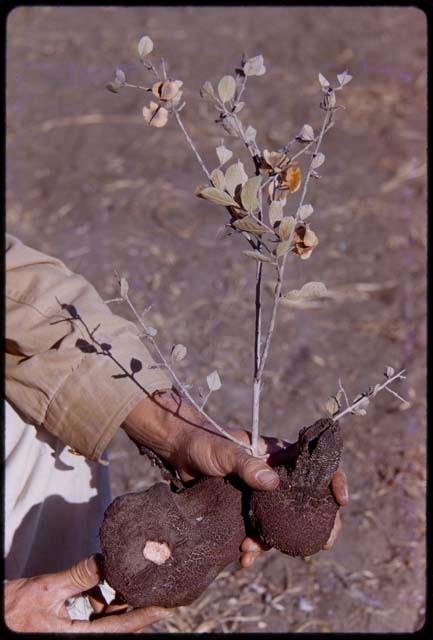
pixel 38 604
pixel 179 433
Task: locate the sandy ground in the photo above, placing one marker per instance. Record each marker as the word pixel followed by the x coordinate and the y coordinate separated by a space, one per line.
pixel 87 182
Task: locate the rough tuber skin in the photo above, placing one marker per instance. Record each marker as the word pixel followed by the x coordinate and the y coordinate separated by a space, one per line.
pixel 298 516
pixel 203 525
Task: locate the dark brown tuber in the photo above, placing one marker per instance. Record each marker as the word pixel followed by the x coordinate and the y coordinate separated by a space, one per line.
pixel 164 548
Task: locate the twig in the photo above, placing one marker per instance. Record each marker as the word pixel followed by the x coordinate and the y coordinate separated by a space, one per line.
pixel 350 408
pixel 280 270
pixel 191 144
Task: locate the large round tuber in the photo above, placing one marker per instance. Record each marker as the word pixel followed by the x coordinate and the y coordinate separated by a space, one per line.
pixel 164 548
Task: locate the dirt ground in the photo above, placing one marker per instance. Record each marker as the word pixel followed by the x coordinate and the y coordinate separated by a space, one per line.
pixel 87 182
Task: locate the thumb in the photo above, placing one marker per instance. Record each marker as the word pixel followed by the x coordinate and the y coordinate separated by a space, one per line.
pixel 255 472
pixel 82 576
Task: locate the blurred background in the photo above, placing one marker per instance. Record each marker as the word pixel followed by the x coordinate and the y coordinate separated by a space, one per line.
pixel 89 183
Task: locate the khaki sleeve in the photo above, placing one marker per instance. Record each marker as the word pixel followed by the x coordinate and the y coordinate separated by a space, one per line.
pixel 50 381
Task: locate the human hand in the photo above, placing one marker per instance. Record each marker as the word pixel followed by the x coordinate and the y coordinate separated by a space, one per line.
pixel 251 548
pixel 38 604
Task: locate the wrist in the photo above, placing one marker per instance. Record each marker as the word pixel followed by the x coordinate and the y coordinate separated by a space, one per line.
pixel 161 422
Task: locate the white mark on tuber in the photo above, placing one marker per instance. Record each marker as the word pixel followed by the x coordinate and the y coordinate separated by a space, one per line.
pixel 156 552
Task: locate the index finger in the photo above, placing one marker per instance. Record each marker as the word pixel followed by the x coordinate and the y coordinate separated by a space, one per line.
pixel 123 623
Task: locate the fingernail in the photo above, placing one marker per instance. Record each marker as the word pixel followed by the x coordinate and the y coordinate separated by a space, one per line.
pixel 91 565
pixel 267 478
pixel 345 494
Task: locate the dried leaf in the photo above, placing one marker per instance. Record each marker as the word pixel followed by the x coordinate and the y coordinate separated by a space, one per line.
pixel 344 78
pixel 305 211
pixel 178 352
pixel 223 154
pixel 124 287
pixel 226 88
pixel 145 46
pixel 218 179
pixel 273 158
pixel 389 372
pixel 249 193
pixel 234 176
pixel 305 241
pixel 306 134
pixel 213 381
pixel 238 108
pixel 291 179
pixel 155 115
pixel 216 196
pixel 275 212
pixel 323 81
pixel 254 66
pixel 207 92
pixel 167 90
pixel 114 86
pixel 282 248
pixel 256 255
pixel 286 226
pixel 332 406
pixel 318 160
pixel 249 224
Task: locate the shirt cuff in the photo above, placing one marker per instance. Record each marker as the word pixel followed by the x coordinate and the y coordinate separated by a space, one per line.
pixel 93 402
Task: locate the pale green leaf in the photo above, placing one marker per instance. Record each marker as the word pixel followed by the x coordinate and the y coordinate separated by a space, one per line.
pixel 249 224
pixel 286 226
pixel 213 381
pixel 249 193
pixel 145 46
pixel 223 154
pixel 235 175
pixel 256 255
pixel 226 88
pixel 216 196
pixel 275 212
pixel 218 179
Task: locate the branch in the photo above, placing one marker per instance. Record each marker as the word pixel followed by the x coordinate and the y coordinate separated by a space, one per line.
pixel 378 388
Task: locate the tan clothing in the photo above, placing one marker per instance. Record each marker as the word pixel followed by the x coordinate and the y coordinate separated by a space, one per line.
pixel 49 381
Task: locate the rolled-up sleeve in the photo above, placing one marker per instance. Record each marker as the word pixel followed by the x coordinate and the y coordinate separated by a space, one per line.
pixel 49 380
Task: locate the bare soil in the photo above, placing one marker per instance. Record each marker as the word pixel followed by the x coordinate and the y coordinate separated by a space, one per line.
pixel 87 182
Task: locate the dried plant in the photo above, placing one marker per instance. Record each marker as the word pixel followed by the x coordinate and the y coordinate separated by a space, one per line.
pixel 256 200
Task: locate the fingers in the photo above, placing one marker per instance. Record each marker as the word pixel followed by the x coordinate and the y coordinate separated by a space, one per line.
pixel 253 471
pixel 251 549
pixel 253 544
pixel 340 488
pixel 248 558
pixel 130 622
pixel 334 533
pixel 82 576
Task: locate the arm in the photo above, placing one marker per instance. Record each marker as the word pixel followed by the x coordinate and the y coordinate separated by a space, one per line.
pixel 48 380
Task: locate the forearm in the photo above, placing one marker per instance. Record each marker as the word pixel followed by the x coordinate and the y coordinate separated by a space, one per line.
pixel 49 380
